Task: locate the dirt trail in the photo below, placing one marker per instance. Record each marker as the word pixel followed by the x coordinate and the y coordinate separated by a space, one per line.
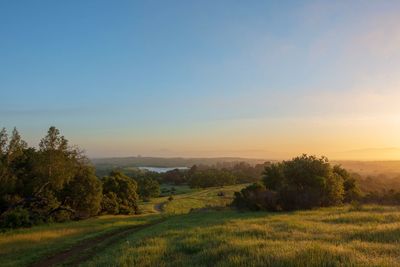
pixel 86 249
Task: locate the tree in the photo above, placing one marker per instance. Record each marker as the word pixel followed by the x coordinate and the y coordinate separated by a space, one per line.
pixel 211 177
pixel 11 151
pixel 301 183
pixel 174 176
pixel 122 189
pixel 55 183
pixel 148 188
pixel 351 189
pixel 56 160
pixel 83 193
pixel 304 182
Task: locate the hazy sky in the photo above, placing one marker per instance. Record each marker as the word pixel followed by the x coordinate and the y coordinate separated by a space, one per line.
pixel 268 79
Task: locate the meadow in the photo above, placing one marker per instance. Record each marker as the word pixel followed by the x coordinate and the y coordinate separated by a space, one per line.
pixel 338 236
pixel 199 230
pixel 25 246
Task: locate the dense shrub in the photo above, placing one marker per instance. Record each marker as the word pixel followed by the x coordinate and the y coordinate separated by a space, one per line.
pixel 302 183
pixel 256 197
pixel 14 218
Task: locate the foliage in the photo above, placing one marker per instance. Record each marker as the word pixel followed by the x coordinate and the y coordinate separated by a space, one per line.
pixel 351 187
pixel 211 178
pixel 120 194
pixel 18 217
pixel 174 176
pixel 256 197
pixel 148 188
pixel 54 183
pixel 302 183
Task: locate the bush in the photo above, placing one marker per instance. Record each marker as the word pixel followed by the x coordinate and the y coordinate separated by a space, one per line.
pixel 109 204
pixel 256 197
pixel 304 182
pixel 18 217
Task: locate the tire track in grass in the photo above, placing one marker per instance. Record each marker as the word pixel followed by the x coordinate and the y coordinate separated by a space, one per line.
pixel 88 248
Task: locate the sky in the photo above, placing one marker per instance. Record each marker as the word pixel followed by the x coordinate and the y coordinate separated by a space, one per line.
pixel 259 79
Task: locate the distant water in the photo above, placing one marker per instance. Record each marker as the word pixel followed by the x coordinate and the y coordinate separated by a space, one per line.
pixel 161 169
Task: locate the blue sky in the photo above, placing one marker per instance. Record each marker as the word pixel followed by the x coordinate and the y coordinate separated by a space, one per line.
pixel 204 78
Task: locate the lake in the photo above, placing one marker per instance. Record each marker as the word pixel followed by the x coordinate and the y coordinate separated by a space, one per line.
pixel 162 169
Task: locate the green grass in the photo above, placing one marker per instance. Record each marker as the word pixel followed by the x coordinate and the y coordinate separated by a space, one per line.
pixel 201 199
pixel 323 237
pixel 338 236
pixel 189 199
pixel 179 189
pixel 25 246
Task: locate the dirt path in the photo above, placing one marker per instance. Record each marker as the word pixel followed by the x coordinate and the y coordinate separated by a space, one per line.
pixel 86 249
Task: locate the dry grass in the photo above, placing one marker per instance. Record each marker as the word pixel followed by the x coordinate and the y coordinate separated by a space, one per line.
pixel 324 237
pixel 24 246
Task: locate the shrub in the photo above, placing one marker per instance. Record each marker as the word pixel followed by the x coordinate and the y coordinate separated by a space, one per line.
pixel 304 182
pixel 256 197
pixel 18 217
pixel 109 203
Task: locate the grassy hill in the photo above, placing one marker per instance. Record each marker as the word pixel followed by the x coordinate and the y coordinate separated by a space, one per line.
pixel 211 235
pixel 324 237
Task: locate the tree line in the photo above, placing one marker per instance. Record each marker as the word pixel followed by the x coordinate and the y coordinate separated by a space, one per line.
pixel 203 176
pixel 57 182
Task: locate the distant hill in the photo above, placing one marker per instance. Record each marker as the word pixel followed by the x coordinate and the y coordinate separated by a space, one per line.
pixel 372 168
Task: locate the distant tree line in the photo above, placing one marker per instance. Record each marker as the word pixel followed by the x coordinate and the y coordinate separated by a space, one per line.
pixel 56 182
pixel 204 176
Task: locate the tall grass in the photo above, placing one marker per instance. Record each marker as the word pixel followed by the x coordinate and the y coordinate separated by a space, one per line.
pixel 24 246
pixel 324 237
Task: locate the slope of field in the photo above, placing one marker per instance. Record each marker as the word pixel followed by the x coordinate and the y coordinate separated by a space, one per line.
pixel 325 237
pixel 183 202
pixel 25 246
pixel 197 231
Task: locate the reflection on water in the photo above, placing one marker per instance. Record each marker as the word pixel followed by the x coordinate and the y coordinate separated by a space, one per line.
pixel 162 169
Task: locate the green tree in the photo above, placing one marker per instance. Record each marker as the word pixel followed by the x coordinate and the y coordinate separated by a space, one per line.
pixel 351 188
pixel 54 183
pixel 148 188
pixel 211 177
pixel 124 189
pixel 83 194
pixel 303 182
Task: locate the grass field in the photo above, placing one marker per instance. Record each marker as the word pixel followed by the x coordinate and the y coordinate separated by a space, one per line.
pixel 324 237
pixel 187 199
pixel 339 236
pixel 25 246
